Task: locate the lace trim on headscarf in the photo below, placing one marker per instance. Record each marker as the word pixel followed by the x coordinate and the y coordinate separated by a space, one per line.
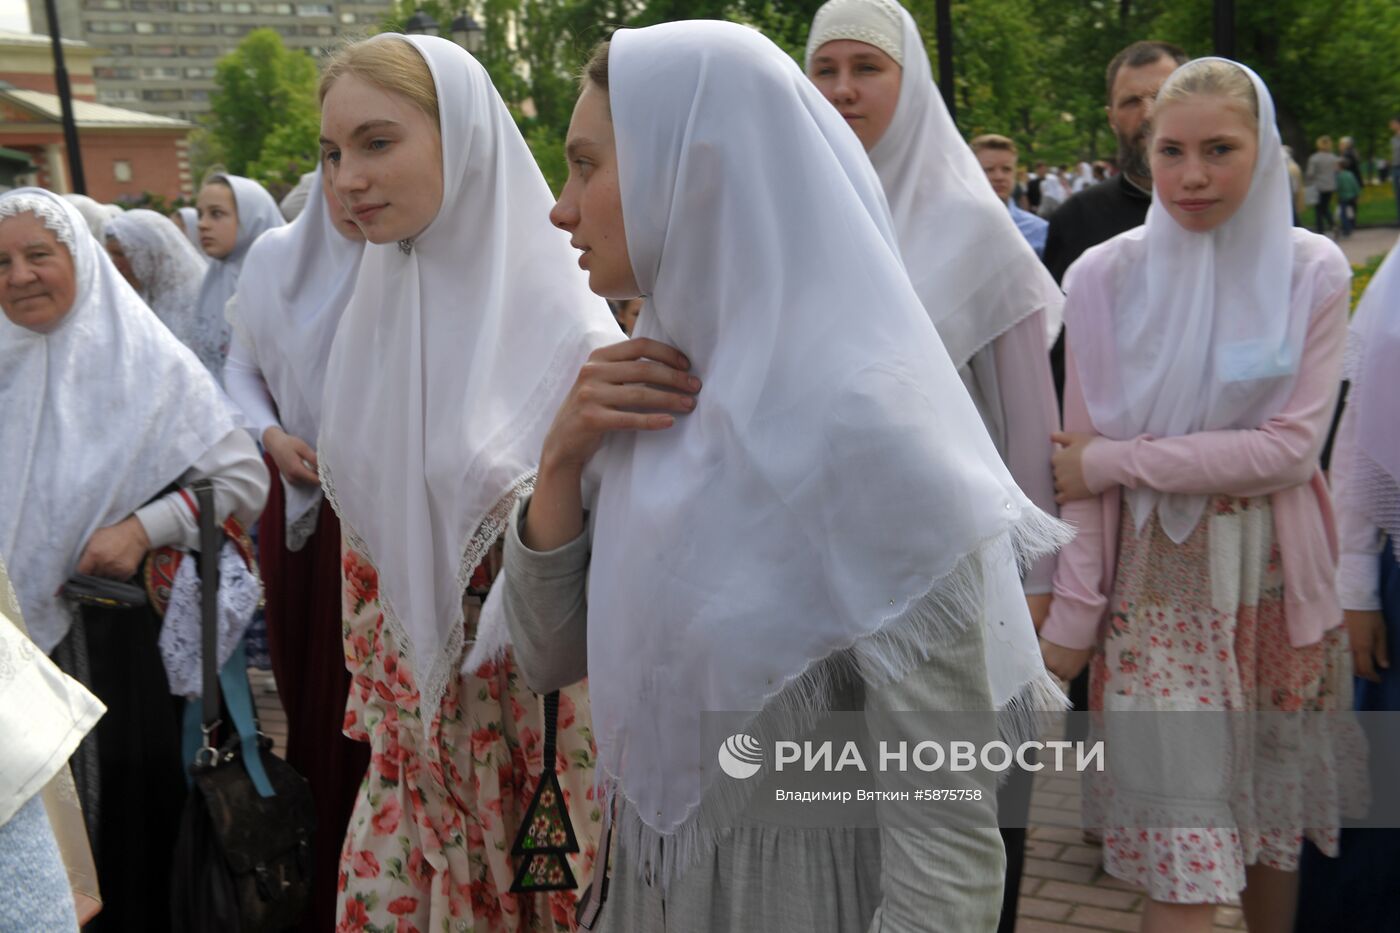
pixel 432 684
pixel 835 21
pixel 49 214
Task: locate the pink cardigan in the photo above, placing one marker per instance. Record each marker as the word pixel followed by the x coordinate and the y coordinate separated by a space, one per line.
pixel 1278 459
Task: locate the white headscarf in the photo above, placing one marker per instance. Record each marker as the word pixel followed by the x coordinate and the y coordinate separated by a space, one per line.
pixel 834 493
pixel 295 202
pixel 1084 178
pixel 189 222
pixel 877 24
pixel 975 274
pixel 257 213
pixel 1176 332
pixel 289 312
pixel 95 213
pixel 171 272
pixel 101 414
pixel 473 339
pixel 1373 366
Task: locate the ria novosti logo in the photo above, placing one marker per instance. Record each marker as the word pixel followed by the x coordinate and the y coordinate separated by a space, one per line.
pixel 740 756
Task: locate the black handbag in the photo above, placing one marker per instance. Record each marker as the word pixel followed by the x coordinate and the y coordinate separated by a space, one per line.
pixel 243 856
pixel 87 590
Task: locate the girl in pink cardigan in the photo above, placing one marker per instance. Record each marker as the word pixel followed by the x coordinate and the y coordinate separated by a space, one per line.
pixel 1204 354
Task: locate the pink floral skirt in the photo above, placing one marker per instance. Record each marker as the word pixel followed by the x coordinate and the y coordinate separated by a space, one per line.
pixel 1199 626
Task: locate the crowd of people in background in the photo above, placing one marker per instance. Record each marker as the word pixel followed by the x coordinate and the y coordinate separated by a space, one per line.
pixel 535 481
pixel 1331 185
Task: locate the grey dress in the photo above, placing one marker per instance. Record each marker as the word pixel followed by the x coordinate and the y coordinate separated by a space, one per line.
pixel 1322 171
pixel 777 880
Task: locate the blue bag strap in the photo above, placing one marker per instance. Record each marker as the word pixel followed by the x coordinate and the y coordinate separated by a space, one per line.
pixel 238 698
pixel 191 738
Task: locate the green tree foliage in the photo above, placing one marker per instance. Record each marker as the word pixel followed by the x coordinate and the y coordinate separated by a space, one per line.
pixel 1330 64
pixel 264 118
pixel 1030 69
pixel 534 49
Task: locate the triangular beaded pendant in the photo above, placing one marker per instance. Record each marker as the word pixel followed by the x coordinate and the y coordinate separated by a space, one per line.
pixel 546 837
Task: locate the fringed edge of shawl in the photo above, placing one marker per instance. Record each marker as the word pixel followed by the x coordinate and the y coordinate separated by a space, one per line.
pixel 1053 310
pixel 904 640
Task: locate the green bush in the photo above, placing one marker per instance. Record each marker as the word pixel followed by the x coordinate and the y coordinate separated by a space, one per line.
pixel 1361 277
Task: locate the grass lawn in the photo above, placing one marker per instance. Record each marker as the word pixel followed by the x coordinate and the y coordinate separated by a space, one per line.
pixel 1361 275
pixel 1376 207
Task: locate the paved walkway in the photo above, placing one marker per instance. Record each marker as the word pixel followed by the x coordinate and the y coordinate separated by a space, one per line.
pixel 271 719
pixel 1372 241
pixel 1064 889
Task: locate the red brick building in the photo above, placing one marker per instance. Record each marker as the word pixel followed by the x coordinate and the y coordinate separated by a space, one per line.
pixel 124 152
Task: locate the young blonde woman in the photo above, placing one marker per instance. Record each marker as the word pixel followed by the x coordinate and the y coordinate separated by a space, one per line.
pixel 1204 357
pixel 446 364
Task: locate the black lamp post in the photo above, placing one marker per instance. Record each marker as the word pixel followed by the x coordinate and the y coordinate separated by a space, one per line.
pixel 468 33
pixel 65 101
pixel 421 24
pixel 943 27
pixel 1224 28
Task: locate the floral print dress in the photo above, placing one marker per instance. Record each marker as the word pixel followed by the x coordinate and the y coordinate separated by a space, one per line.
pixel 1199 626
pixel 428 847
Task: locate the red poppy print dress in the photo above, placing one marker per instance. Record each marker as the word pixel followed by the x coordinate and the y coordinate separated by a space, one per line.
pixel 428 847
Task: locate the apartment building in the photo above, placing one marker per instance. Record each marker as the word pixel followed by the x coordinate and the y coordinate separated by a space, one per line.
pixel 158 56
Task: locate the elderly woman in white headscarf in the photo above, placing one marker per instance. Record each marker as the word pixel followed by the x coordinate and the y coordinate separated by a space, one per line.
pixel 166 272
pixel 108 417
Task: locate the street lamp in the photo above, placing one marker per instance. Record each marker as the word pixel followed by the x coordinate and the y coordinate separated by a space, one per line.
pixel 421 24
pixel 65 101
pixel 468 33
pixel 943 29
pixel 1224 28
